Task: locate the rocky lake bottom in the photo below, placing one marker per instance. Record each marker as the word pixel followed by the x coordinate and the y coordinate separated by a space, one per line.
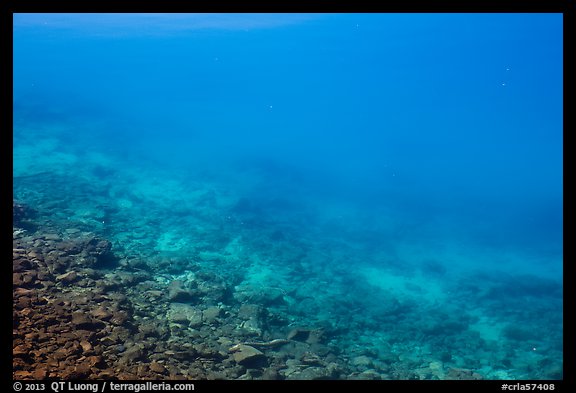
pixel 124 271
pixel 87 308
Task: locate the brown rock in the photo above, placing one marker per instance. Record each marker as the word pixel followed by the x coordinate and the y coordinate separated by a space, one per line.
pixel 19 364
pixel 22 292
pixel 80 318
pixel 86 346
pixel 82 371
pixel 23 375
pixel 82 321
pixel 120 333
pixel 107 374
pixel 62 310
pixel 52 363
pixel 33 336
pixel 44 275
pixel 61 354
pixel 20 351
pixel 119 318
pixel 33 254
pixel 43 337
pixel 157 368
pixel 20 265
pixel 29 277
pixel 142 371
pixel 125 375
pixel 131 355
pixel 67 278
pixel 23 303
pixel 102 313
pixel 17 279
pixel 96 361
pixel 27 312
pixel 39 374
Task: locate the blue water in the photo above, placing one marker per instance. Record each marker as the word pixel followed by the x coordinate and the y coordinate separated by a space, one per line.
pixel 350 160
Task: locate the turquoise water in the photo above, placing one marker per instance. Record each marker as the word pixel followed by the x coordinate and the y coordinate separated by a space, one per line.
pixel 394 179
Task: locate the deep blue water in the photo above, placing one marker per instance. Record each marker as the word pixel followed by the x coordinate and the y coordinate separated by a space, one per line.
pixel 419 146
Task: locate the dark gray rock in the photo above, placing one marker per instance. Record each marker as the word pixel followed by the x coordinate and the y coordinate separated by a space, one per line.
pixel 131 355
pixel 178 292
pixel 83 321
pixel 248 356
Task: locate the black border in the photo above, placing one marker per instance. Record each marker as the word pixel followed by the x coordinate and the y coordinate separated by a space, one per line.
pixel 330 6
pixel 566 7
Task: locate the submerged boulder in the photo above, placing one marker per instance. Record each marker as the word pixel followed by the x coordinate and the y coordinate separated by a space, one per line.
pixel 184 314
pixel 179 292
pixel 248 356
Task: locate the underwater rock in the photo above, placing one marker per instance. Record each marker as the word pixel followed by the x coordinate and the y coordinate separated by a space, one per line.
pixel 119 318
pixel 67 278
pixel 252 315
pixel 266 296
pixel 81 371
pixel 270 374
pixel 69 247
pixel 131 355
pixel 177 292
pixel 207 351
pixel 102 313
pixel 184 314
pixel 81 320
pixel 311 359
pixel 248 356
pixel 251 326
pixel 362 361
pixel 369 375
pixel 21 351
pixel 102 251
pixel 23 375
pixel 29 278
pixel 86 346
pixel 211 314
pixel 250 311
pixel 39 374
pixel 462 374
pixel 17 280
pixel 21 264
pixel 315 373
pixel 157 368
pixel 51 236
pixel 299 334
pixel 152 329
